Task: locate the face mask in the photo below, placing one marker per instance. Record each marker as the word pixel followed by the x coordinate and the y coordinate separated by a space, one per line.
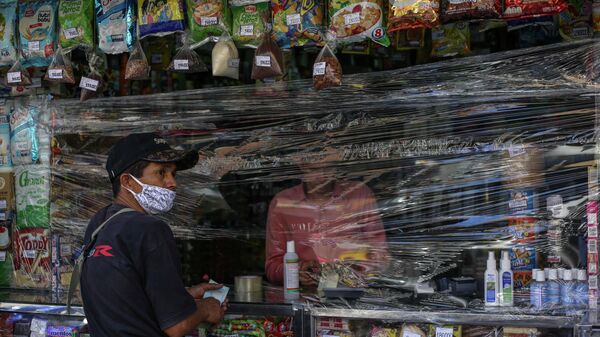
pixel 153 199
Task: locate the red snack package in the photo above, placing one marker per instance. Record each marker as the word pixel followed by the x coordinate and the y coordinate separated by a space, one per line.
pixel 409 14
pixel 522 9
pixel 461 10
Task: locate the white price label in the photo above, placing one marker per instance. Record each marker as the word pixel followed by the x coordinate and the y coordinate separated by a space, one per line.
pixel 89 84
pixel 592 245
pixel 247 30
pixel 156 58
pixel 233 63
pixel 209 20
pixel 181 64
pixel 263 61
pixel 3 204
pixel 2 256
pixel 410 334
pixel 319 68
pixel 33 45
pixel 351 19
pixel 592 219
pixel 444 332
pixel 71 33
pixel 55 74
pixel 22 146
pixel 14 77
pixel 29 254
pixel 593 232
pixel 293 19
pixel 593 282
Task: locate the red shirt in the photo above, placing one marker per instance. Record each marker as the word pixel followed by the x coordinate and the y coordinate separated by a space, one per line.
pixel 323 230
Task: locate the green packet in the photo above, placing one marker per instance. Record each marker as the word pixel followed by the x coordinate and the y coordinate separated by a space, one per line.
pixel 249 23
pixel 207 20
pixel 75 18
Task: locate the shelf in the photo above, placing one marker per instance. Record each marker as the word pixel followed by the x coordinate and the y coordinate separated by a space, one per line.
pixel 41 309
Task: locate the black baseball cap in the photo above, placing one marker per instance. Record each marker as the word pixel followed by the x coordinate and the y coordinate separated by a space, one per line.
pixel 146 146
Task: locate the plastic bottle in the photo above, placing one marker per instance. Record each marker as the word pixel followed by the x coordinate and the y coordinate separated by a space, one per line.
pixel 553 288
pixel 541 290
pixel 491 281
pixel 534 289
pixel 506 281
pixel 581 289
pixel 291 268
pixel 567 298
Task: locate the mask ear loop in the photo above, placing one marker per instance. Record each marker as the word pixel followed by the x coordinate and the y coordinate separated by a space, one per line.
pixel 137 181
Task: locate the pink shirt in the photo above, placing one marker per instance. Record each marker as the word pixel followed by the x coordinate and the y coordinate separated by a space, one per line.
pixel 323 230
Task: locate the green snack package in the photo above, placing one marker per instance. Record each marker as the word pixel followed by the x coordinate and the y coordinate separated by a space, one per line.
pixel 207 20
pixel 249 23
pixel 76 18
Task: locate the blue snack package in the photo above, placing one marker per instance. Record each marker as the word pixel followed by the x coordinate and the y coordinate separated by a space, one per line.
pixel 160 18
pixel 8 17
pixel 37 31
pixel 116 25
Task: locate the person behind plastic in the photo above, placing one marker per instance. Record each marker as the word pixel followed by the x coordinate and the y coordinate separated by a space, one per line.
pixel 328 218
pixel 131 280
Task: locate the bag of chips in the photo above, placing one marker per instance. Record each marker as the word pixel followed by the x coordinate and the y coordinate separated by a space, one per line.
pixel 116 25
pixel 357 20
pixel 207 19
pixel 452 39
pixel 327 70
pixel 250 22
pixel 268 59
pixel 298 23
pixel 76 19
pixel 160 17
pixel 187 61
pixel 462 10
pixel 37 31
pixel 17 75
pixel 8 16
pixel 410 14
pixel 137 66
pixel 225 58
pixel 60 69
pixel 522 9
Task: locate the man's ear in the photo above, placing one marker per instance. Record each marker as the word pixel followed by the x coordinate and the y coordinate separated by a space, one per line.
pixel 125 181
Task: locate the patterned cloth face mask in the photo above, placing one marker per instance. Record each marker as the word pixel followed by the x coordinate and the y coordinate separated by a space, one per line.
pixel 153 199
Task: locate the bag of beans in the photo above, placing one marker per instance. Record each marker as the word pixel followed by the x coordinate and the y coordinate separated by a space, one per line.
pixel 17 75
pixel 187 61
pixel 92 84
pixel 137 66
pixel 327 70
pixel 268 59
pixel 60 69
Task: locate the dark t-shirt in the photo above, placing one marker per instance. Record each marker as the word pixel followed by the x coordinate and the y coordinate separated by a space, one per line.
pixel 131 282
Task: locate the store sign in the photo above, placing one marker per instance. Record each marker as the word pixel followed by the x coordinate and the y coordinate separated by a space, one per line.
pixel 89 84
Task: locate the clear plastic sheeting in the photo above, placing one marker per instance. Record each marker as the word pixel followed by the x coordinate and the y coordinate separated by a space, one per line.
pixel 398 183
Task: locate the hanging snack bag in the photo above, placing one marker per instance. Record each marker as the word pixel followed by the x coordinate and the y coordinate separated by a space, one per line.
pixel 116 25
pixel 17 75
pixel 23 137
pixel 355 21
pixel 268 59
pixel 137 66
pixel 37 31
pixel 60 69
pixel 187 61
pixel 8 15
pixel 327 70
pixel 225 59
pixel 298 23
pixel 160 17
pixel 410 14
pixel 522 9
pixel 461 10
pixel 249 22
pixel 452 39
pixel 76 20
pixel 207 19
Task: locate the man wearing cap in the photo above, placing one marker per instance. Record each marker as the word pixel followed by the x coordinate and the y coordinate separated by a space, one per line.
pixel 131 281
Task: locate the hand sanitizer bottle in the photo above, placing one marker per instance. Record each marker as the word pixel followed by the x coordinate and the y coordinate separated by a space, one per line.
pixel 491 281
pixel 506 281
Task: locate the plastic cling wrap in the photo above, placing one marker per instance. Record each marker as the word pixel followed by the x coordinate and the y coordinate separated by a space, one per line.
pixel 116 24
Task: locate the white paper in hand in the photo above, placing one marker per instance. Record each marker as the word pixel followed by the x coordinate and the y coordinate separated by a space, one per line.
pixel 219 294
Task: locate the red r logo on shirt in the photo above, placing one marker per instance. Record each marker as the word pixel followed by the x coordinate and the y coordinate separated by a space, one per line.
pixel 102 250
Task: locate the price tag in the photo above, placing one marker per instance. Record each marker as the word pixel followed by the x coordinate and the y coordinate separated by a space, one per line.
pixel 592 245
pixel 444 332
pixel 71 33
pixel 410 334
pixel 156 58
pixel 592 219
pixel 14 77
pixel 2 256
pixel 29 254
pixel 352 19
pixel 209 20
pixel 233 63
pixel 592 232
pixel 293 19
pixel 263 61
pixel 247 30
pixel 22 146
pixel 319 68
pixel 55 74
pixel 89 84
pixel 3 204
pixel 33 45
pixel 181 65
pixel 593 282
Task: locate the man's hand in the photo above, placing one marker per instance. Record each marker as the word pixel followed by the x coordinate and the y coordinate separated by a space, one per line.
pixel 309 273
pixel 212 310
pixel 198 291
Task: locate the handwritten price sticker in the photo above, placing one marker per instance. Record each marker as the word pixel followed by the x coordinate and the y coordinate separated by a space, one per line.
pixel 89 84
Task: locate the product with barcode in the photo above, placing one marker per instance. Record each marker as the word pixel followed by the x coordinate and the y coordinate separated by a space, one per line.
pixel 207 20
pixel 187 61
pixel 250 21
pixel 327 70
pixel 76 18
pixel 137 66
pixel 357 20
pixel 298 23
pixel 8 15
pixel 268 59
pixel 60 69
pixel 37 31
pixel 116 25
pixel 225 58
pixel 160 17
pixel 17 75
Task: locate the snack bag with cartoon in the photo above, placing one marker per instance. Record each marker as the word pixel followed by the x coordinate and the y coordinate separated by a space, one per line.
pixel 160 17
pixel 355 21
pixel 298 23
pixel 207 20
pixel 8 15
pixel 37 31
